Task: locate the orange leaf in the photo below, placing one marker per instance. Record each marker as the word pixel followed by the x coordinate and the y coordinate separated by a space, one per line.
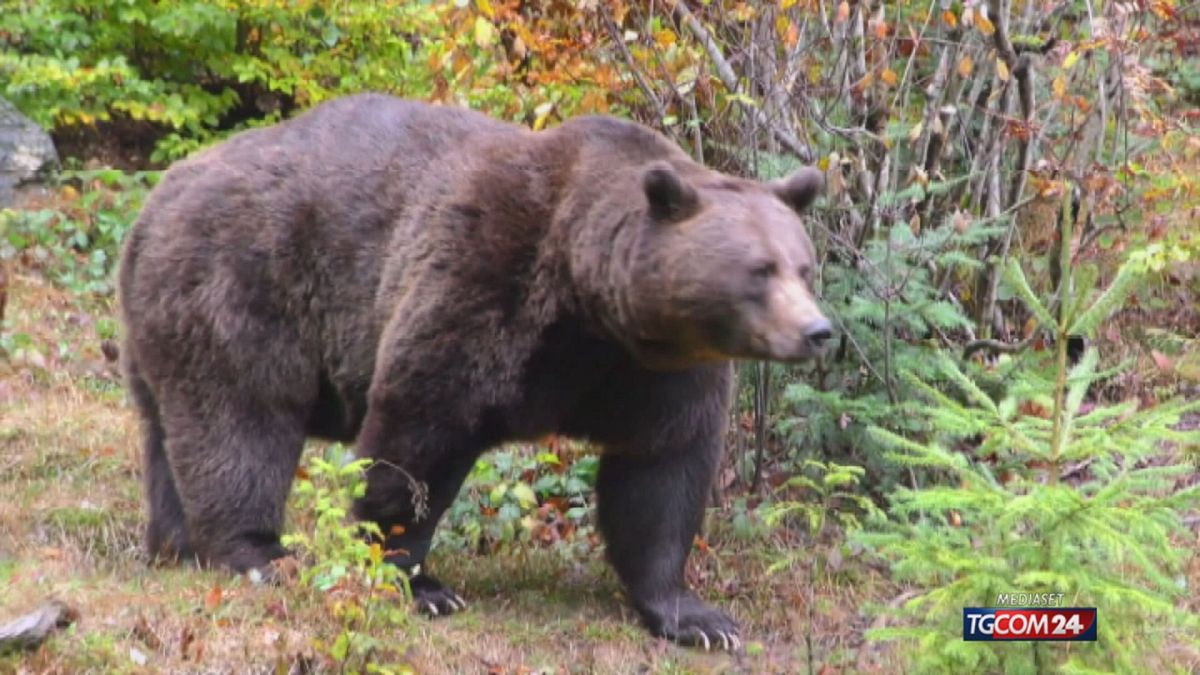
pixel 396 530
pixel 881 28
pixel 843 12
pixel 950 19
pixel 966 66
pixel 888 76
pixel 985 25
pixel 212 599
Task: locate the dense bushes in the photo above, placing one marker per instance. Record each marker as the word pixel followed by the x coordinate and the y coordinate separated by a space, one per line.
pixel 199 68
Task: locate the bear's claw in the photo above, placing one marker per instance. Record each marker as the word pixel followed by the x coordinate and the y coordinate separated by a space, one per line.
pixel 686 620
pixel 433 598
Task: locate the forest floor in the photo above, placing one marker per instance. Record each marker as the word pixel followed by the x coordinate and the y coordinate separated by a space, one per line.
pixel 70 528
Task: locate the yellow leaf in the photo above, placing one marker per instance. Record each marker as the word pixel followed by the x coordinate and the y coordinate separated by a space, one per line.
pixel 542 113
pixel 486 8
pixel 485 32
pixel 1071 60
pixel 985 25
pixel 815 71
pixel 788 4
pixel 1060 87
pixel 966 66
pixel 1001 69
pixel 888 77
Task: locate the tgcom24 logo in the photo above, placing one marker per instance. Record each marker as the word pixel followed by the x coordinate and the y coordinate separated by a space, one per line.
pixel 1067 624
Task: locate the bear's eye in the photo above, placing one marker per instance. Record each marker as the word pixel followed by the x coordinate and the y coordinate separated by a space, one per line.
pixel 764 270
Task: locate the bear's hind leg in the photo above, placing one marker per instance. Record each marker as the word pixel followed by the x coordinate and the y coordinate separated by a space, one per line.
pixel 233 466
pixel 166 530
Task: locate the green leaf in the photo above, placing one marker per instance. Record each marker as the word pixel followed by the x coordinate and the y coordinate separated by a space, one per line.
pixel 1109 301
pixel 1015 277
pixel 497 494
pixel 485 33
pixel 525 496
pixel 341 647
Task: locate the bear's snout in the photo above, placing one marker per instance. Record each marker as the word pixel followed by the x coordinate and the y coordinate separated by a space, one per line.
pixel 795 328
pixel 819 332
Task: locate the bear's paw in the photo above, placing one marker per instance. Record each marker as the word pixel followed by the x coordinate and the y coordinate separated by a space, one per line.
pixel 687 620
pixel 433 598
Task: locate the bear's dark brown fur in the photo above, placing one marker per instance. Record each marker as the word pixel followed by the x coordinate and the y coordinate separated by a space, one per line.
pixel 429 283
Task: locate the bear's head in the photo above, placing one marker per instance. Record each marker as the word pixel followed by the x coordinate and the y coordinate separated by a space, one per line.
pixel 723 268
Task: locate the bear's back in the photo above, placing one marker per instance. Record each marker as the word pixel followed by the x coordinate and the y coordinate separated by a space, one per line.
pixel 280 234
pixel 342 161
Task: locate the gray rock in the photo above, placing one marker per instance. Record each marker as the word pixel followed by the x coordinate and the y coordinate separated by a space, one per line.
pixel 26 151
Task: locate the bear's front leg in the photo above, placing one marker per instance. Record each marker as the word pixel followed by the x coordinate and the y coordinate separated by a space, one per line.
pixel 416 474
pixel 651 506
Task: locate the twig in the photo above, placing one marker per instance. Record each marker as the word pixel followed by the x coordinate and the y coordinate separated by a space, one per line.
pixel 615 34
pixel 729 78
pixel 1019 67
pixel 995 346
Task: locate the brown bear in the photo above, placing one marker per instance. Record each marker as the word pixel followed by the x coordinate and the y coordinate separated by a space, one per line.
pixel 428 283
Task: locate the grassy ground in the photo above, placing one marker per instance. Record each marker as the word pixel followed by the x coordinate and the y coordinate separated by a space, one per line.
pixel 71 518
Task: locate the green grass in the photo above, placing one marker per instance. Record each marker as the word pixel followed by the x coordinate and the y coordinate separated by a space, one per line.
pixel 70 528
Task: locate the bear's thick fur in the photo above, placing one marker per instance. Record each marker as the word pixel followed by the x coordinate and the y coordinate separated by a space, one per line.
pixel 429 283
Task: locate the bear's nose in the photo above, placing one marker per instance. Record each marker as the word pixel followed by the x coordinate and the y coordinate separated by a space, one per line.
pixel 819 332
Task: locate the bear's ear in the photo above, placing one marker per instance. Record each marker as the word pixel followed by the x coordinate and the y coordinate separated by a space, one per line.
pixel 800 189
pixel 670 198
